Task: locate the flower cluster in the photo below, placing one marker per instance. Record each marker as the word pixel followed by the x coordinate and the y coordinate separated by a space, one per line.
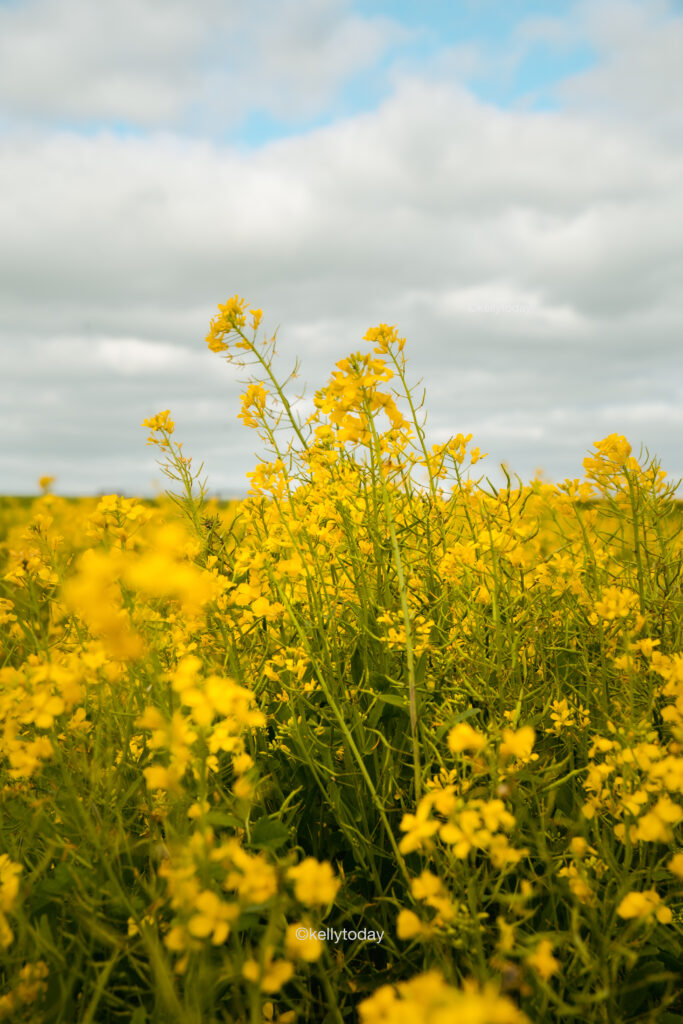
pixel 381 689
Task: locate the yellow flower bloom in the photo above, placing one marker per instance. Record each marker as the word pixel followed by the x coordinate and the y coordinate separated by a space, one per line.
pixel 408 925
pixel 518 744
pixel 253 398
pixel 314 882
pixel 302 942
pixel 9 882
pixel 615 603
pixel 675 865
pixel 159 777
pixel 162 421
pixel 643 904
pixel 276 973
pixel 231 317
pixel 428 998
pixel 252 877
pixel 463 737
pixel 212 918
pixel 562 716
pixel 425 885
pixel 506 942
pixel 577 884
pixel 420 827
pixel 32 981
pixel 543 961
pixel 9 889
pixel 383 335
pixel 578 846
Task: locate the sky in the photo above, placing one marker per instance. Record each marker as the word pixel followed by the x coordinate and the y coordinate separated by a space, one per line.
pixel 503 181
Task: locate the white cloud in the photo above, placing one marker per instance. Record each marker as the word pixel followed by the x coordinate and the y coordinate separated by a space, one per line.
pixel 76 59
pixel 132 356
pixel 665 413
pixel 637 77
pixel 170 63
pixel 116 251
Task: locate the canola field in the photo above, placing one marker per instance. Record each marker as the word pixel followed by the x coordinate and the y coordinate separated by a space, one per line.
pixel 383 743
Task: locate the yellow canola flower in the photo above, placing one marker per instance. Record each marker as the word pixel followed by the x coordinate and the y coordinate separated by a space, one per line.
pixel 6 611
pixel 253 398
pixel 429 999
pixel 212 918
pixel 243 789
pixel 518 744
pixel 430 890
pixel 562 716
pixel 302 942
pixel 151 718
pixel 611 449
pixel 314 882
pixel 269 1015
pixel 165 570
pixel 644 904
pixel 162 421
pixel 206 698
pixel 506 942
pixel 675 865
pixel 543 961
pixel 251 876
pixel 9 882
pixel 616 603
pixel 276 973
pixel 9 890
pixel 463 737
pixel 43 710
pixel 159 777
pixel 577 884
pixel 578 846
pixel 427 885
pixel 94 594
pixel 420 827
pixel 408 925
pixel 384 335
pixel 25 756
pixel 31 985
pixel 231 317
pixel 655 826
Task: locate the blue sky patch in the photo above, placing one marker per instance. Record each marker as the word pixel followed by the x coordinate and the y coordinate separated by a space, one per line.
pixel 435 27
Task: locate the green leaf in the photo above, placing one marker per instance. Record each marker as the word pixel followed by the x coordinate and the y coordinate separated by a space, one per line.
pixel 393 699
pixel 226 820
pixel 269 834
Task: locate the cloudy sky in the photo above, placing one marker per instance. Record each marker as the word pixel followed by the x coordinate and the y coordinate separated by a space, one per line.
pixel 504 181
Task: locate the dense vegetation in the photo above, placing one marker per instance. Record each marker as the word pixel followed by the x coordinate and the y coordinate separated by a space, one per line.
pixel 383 742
